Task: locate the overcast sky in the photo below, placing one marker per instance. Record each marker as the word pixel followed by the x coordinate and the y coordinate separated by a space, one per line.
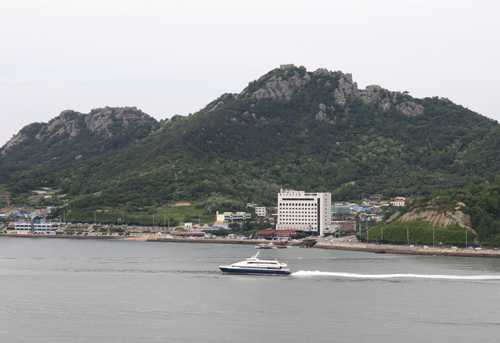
pixel 173 57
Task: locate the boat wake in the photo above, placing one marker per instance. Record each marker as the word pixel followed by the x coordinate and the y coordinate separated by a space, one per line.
pixel 304 273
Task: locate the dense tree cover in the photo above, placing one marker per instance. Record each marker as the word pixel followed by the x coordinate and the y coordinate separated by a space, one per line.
pixel 246 149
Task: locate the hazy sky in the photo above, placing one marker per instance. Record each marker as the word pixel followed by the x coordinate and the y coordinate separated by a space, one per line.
pixel 173 57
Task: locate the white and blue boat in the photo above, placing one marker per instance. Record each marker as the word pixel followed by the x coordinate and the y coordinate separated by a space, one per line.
pixel 254 265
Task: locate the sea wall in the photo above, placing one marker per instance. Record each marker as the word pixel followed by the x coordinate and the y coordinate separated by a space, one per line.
pixel 63 236
pixel 351 246
pixel 151 239
pixel 403 249
pixel 213 240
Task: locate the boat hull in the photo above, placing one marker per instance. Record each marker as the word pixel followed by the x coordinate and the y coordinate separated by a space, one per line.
pixel 255 271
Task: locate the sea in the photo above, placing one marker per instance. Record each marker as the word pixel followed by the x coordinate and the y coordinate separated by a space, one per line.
pixel 64 290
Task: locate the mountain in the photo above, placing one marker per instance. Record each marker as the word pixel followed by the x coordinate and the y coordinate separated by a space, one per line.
pixel 291 128
pixel 72 134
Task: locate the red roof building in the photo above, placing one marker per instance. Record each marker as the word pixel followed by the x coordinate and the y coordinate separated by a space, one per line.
pixel 270 234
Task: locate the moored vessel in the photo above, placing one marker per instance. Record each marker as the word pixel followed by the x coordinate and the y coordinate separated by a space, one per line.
pixel 264 246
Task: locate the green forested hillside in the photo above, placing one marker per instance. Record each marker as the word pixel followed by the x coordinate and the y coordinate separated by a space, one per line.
pixel 290 128
pixel 481 202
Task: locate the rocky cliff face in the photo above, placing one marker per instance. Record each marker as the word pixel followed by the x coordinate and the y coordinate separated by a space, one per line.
pixel 442 219
pixel 70 124
pixel 282 87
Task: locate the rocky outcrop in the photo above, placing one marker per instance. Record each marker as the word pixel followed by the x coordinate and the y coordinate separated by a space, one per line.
pixel 15 140
pixel 71 124
pixel 323 116
pixel 441 219
pixel 278 88
pixel 410 108
pixel 281 88
pixel 346 88
pixel 99 120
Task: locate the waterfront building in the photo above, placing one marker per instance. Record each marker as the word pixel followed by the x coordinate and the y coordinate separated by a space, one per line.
pixel 260 211
pixel 304 212
pixel 346 225
pixel 281 234
pixel 36 226
pixel 230 216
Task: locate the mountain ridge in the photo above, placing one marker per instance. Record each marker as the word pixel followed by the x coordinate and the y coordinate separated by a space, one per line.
pixel 289 128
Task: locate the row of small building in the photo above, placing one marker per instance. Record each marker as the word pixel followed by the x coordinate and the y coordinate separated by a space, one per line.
pixel 313 213
pixel 33 222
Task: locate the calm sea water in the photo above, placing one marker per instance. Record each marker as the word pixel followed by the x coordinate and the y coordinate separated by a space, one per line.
pixel 55 290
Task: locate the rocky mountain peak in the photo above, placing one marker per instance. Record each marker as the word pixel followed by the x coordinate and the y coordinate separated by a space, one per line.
pixel 281 83
pixel 70 124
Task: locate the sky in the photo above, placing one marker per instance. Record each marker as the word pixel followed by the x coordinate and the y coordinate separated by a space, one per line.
pixel 174 57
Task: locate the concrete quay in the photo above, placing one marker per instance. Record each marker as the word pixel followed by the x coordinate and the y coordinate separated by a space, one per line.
pixel 152 239
pixel 406 250
pixel 214 240
pixel 350 246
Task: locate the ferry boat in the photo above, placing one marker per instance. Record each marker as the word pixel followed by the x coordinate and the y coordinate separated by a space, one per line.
pixel 254 265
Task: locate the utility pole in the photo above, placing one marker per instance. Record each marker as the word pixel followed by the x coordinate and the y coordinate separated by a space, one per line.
pixel 433 236
pixel 367 234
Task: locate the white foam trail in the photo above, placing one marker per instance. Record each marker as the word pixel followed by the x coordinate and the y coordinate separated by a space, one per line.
pixel 396 276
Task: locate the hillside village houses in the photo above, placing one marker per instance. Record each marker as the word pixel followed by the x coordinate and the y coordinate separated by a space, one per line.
pixel 400 201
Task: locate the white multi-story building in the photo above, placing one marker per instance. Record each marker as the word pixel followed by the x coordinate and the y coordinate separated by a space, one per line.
pixel 307 212
pixel 37 227
pixel 260 211
pixel 230 216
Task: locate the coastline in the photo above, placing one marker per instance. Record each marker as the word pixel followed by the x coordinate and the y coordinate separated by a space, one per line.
pixel 405 250
pixel 350 246
pixel 151 239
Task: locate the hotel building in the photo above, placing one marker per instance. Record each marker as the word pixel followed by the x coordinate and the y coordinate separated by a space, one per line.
pixel 306 212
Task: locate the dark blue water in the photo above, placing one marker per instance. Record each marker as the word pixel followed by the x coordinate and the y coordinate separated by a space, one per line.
pixel 55 290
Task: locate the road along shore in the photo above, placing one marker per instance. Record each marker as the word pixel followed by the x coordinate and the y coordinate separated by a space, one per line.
pixel 403 249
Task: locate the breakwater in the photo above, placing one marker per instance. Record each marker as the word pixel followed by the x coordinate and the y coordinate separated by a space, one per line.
pixel 405 250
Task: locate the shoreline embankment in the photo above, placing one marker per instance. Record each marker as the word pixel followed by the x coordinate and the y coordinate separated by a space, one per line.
pixel 406 250
pixel 151 239
pixel 336 245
